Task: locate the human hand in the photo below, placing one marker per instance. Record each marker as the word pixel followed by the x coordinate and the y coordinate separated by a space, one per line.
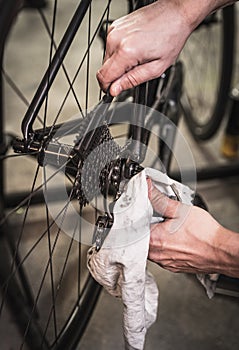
pixel 142 45
pixel 190 239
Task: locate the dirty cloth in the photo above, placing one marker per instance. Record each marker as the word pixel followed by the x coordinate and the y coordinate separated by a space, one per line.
pixel 120 266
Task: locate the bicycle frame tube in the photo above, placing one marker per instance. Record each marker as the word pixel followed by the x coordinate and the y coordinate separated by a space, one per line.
pixel 2 142
pixel 31 114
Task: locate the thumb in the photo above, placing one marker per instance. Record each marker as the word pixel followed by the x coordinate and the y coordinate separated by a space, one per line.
pixel 137 75
pixel 163 205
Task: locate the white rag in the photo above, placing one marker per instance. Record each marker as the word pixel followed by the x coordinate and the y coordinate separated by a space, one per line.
pixel 120 265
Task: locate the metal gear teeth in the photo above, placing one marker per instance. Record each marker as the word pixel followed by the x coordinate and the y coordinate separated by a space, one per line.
pixel 93 162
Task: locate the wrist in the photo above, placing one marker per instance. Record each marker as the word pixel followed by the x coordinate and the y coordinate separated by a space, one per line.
pixel 227 248
pixel 194 12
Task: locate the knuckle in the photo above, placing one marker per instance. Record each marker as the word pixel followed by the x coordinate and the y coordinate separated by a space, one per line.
pixel 111 38
pixel 102 81
pixel 127 49
pixel 132 80
pixel 100 77
pixel 113 35
pixel 128 81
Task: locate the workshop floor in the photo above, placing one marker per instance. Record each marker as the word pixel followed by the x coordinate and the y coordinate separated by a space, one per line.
pixel 187 319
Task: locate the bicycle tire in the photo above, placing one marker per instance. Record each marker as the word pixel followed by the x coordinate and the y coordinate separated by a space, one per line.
pixel 33 334
pixel 203 111
pixel 42 323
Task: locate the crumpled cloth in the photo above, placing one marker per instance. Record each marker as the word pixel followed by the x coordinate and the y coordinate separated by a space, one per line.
pixel 120 266
pixel 209 282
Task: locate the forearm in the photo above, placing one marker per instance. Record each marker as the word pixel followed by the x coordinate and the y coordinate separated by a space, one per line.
pixel 196 10
pixel 228 252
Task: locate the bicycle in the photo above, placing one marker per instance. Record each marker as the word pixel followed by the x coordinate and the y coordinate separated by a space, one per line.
pixel 23 294
pixel 206 91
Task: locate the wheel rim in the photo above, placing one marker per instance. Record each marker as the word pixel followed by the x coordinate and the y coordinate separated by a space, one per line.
pixel 207 81
pixel 61 263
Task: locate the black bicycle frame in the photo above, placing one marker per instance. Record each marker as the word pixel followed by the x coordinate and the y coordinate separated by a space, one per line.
pixel 48 79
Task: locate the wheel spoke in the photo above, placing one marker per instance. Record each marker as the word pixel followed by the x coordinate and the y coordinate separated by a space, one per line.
pixel 63 66
pixel 81 63
pixel 41 249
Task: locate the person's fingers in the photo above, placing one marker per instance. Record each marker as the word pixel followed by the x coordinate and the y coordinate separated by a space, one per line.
pixel 138 75
pixel 161 203
pixel 155 240
pixel 113 68
pixel 123 75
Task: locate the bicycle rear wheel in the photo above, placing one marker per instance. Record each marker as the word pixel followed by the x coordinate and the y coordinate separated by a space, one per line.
pixel 43 277
pixel 207 81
